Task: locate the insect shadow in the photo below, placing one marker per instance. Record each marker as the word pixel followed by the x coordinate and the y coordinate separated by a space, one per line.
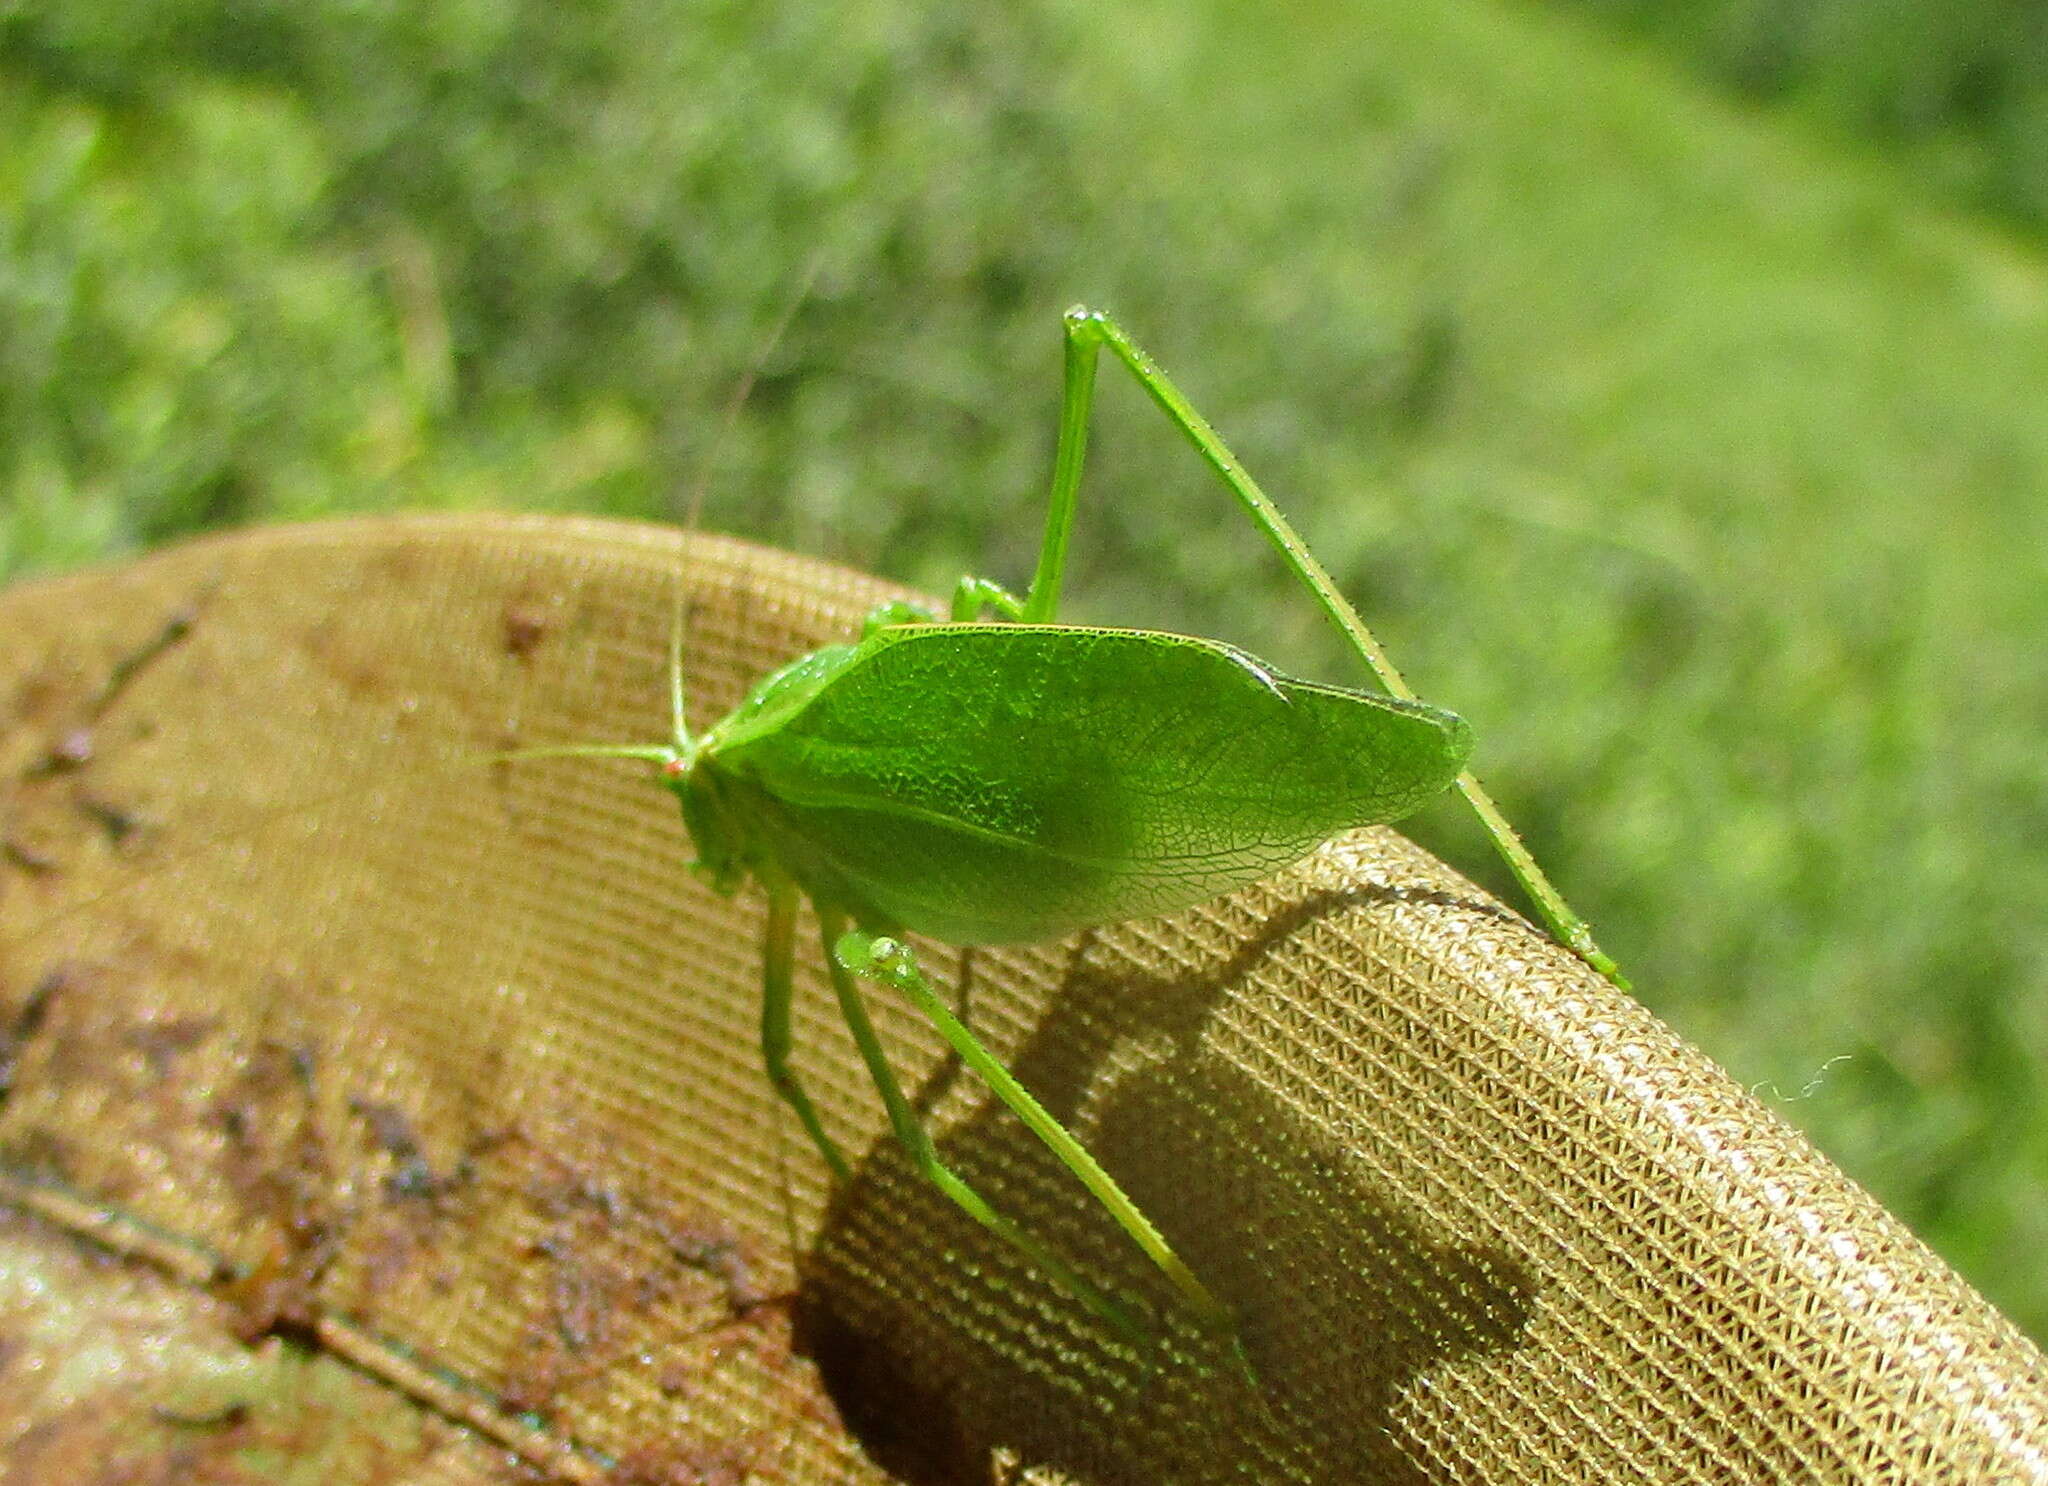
pixel 1345 1295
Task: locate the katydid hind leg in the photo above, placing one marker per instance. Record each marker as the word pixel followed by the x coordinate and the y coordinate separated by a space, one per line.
pixel 1040 605
pixel 917 1145
pixel 1070 452
pixel 1087 332
pixel 778 959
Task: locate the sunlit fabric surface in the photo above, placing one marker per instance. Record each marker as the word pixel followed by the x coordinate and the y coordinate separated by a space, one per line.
pixel 461 1051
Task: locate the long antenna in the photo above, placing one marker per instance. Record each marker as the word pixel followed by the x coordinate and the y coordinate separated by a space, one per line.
pixel 707 469
pixel 729 417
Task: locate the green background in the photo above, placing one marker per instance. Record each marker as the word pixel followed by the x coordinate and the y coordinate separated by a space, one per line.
pixel 1663 382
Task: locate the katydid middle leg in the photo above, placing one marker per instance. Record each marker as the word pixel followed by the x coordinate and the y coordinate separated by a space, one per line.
pixel 891 963
pixel 917 1142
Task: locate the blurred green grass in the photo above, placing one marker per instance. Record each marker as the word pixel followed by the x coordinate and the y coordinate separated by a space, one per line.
pixel 1698 460
pixel 1959 90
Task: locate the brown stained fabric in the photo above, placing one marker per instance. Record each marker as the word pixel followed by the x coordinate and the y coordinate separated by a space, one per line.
pixel 463 1053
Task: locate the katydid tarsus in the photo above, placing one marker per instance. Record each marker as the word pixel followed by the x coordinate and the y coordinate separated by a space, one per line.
pixel 1018 780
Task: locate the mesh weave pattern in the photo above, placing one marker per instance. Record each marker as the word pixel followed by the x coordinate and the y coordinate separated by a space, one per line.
pixel 461 1052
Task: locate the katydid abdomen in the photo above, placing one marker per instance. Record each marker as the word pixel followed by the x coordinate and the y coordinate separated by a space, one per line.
pixel 993 783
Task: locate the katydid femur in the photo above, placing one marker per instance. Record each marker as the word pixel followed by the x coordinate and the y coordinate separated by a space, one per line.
pixel 1016 781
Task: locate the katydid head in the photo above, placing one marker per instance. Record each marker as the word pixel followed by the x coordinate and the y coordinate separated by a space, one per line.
pixel 718 856
pixel 714 830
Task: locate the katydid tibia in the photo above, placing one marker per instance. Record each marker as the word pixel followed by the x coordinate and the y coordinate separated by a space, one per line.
pixel 1017 780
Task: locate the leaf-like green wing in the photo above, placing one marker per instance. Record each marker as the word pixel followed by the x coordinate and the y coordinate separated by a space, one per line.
pixel 1007 783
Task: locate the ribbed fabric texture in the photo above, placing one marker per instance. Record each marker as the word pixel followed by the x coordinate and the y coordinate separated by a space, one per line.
pixel 461 1052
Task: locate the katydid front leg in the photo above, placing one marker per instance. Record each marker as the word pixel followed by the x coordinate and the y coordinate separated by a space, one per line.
pixel 778 961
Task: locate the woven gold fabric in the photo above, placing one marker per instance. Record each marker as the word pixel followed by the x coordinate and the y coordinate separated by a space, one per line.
pixel 462 1054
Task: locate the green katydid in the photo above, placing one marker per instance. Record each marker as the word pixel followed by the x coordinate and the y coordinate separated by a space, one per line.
pixel 1018 780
